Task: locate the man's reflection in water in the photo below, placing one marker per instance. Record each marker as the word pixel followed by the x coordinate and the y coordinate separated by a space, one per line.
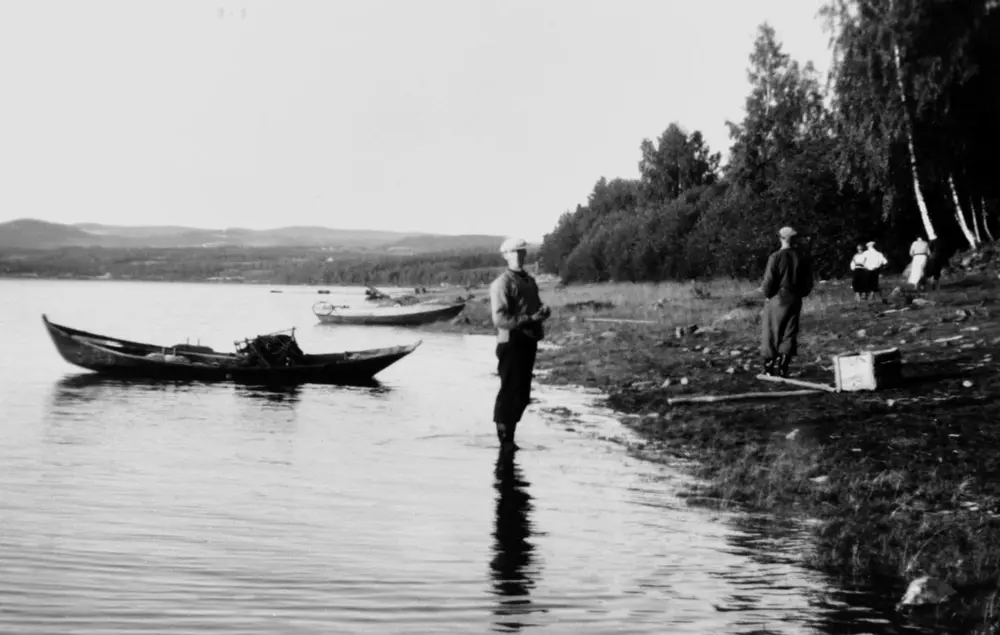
pixel 513 553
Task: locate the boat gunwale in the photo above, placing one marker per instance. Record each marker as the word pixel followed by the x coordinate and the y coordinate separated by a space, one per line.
pixel 148 360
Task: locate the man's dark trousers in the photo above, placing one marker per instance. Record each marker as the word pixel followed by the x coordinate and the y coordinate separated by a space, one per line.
pixel 515 365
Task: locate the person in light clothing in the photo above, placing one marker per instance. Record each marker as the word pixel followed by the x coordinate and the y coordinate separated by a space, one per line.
pixel 859 275
pixel 875 261
pixel 518 315
pixel 920 251
pixel 787 280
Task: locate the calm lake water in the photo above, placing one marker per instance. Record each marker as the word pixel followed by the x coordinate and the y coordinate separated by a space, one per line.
pixel 218 509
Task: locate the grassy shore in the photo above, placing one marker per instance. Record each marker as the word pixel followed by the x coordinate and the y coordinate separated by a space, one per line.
pixel 903 481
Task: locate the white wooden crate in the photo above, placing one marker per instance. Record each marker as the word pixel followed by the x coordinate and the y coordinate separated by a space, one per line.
pixel 867 370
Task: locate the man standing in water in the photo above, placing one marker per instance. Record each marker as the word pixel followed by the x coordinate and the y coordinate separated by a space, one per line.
pixel 518 314
pixel 787 279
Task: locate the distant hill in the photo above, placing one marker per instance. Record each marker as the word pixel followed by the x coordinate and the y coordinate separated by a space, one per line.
pixel 134 232
pixel 173 236
pixel 36 234
pixel 437 242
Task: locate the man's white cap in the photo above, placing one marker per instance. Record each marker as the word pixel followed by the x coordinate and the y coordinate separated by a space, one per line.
pixel 513 244
pixel 870 243
pixel 786 232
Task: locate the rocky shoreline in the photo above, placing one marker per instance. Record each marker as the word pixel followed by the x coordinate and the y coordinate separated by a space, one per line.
pixel 902 481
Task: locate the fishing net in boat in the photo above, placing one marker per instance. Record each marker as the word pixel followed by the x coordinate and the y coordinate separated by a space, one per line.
pixel 272 350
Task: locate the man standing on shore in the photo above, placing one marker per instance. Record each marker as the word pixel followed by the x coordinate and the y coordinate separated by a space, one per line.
pixel 787 279
pixel 518 314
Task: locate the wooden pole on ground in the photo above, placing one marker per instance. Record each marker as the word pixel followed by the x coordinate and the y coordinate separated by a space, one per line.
pixel 798 382
pixel 620 320
pixel 745 395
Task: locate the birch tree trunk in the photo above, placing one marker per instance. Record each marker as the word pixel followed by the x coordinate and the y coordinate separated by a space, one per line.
pixel 986 220
pixel 917 190
pixel 975 221
pixel 960 216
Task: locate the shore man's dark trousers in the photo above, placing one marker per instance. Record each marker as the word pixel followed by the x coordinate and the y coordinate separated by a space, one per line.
pixel 780 327
pixel 515 363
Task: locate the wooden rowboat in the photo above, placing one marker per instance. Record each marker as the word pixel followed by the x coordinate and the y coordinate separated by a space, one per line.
pixel 267 359
pixel 408 315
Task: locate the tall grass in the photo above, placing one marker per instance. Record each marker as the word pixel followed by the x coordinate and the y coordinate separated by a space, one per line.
pixel 735 303
pixel 724 303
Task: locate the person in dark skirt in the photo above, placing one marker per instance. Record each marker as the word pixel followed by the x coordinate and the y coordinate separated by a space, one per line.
pixel 935 264
pixel 859 275
pixel 518 315
pixel 875 261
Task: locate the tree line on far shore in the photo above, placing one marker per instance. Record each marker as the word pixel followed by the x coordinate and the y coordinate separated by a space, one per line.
pixel 899 142
pixel 274 265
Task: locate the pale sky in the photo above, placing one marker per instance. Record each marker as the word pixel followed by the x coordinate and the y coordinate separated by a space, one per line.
pixel 445 116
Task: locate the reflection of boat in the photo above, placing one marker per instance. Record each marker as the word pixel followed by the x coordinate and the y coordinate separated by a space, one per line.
pixel 387 315
pixel 79 384
pixel 266 359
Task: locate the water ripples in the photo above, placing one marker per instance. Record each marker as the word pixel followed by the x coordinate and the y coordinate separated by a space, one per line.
pixel 187 508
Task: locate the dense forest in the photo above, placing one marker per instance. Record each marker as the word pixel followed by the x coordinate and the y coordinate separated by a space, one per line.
pixel 899 140
pixel 275 265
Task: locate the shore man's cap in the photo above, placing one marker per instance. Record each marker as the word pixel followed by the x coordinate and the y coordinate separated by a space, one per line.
pixel 513 244
pixel 787 232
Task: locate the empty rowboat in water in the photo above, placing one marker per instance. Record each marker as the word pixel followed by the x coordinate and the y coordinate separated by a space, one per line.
pixel 411 315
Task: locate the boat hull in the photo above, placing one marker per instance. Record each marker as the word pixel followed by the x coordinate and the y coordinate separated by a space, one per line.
pixel 126 359
pixel 390 316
